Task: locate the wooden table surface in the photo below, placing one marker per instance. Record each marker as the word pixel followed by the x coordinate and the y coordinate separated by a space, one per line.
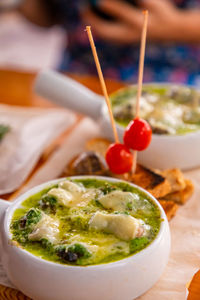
pixel 16 89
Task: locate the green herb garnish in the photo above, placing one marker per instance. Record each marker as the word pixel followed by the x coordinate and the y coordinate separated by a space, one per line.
pixel 3 130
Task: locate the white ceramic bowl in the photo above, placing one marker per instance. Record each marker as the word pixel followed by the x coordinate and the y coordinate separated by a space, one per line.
pixel 165 151
pixel 43 280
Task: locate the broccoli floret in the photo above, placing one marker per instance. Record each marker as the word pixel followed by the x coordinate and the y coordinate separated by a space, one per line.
pixel 33 216
pixel 66 255
pixel 138 244
pixel 23 226
pixel 48 203
pixel 80 250
pixel 47 245
pixel 73 252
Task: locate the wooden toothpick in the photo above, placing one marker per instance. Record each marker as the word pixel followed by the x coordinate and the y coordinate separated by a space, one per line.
pixel 140 77
pixel 102 82
pixel 141 62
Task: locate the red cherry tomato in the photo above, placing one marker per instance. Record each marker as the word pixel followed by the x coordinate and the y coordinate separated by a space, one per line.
pixel 137 135
pixel 119 158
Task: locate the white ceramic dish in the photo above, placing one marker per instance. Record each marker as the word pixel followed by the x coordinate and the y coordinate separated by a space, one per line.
pixel 165 151
pixel 43 280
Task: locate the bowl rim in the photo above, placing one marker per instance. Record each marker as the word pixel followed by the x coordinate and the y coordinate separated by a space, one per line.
pixel 154 135
pixel 10 210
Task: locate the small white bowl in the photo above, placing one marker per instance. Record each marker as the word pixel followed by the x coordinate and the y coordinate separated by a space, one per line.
pixel 43 280
pixel 165 151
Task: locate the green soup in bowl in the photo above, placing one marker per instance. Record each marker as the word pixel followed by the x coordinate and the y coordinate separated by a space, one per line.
pixel 169 109
pixel 86 221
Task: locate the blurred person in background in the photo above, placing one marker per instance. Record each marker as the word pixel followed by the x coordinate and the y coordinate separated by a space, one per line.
pixel 173 48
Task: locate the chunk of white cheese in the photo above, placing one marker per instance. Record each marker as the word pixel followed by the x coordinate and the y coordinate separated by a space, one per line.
pixel 117 200
pixel 71 187
pixel 62 196
pixel 167 116
pixel 70 194
pixel 128 106
pixel 47 228
pixel 124 227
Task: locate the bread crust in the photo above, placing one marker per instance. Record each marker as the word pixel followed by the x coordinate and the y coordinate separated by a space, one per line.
pixel 182 196
pixel 170 208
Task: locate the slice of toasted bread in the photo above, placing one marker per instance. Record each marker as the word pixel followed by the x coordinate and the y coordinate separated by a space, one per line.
pixel 153 182
pixel 98 145
pixel 182 196
pixel 169 207
pixel 168 185
pixel 175 178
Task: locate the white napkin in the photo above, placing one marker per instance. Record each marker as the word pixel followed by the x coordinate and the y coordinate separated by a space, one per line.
pixel 73 145
pixel 31 130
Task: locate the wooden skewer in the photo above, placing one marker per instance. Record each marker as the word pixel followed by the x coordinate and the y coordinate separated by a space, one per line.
pixel 102 82
pixel 134 161
pixel 141 62
pixel 140 77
